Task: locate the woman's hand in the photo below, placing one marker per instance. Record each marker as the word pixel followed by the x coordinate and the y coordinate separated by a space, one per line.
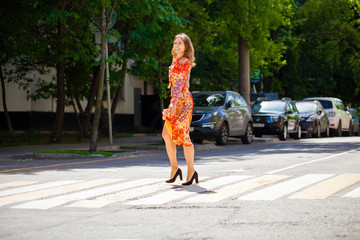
pixel 172 109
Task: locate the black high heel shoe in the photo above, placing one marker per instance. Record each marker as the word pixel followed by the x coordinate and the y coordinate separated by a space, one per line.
pixel 194 176
pixel 178 173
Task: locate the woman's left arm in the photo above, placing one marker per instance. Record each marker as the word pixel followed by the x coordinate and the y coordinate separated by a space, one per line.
pixel 181 74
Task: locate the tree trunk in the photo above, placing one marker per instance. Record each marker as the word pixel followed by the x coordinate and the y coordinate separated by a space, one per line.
pixel 7 116
pixel 86 116
pixel 244 69
pixel 159 76
pixel 122 74
pixel 60 80
pixel 95 127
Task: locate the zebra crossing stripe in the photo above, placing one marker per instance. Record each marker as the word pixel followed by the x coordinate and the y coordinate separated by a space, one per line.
pixel 235 189
pixel 33 187
pixel 329 187
pixel 181 192
pixel 282 189
pixel 53 191
pixel 353 194
pixel 125 195
pixel 16 184
pixel 56 201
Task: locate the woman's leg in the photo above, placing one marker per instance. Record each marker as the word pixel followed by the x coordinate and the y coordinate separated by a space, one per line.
pixel 189 156
pixel 171 150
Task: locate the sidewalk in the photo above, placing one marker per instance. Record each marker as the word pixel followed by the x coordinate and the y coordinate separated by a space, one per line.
pixel 134 143
pixel 137 143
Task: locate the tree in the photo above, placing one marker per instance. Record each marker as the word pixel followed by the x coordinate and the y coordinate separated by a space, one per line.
pixel 101 12
pixel 330 48
pixel 249 24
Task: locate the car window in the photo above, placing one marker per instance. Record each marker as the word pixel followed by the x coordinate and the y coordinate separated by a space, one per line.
pixel 292 107
pixel 288 107
pixel 238 101
pixel 268 106
pixel 339 105
pixel 208 99
pixel 326 104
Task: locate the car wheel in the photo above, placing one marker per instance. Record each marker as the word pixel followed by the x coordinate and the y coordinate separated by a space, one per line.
pixel 283 133
pixel 223 137
pixel 318 132
pixel 247 138
pixel 327 132
pixel 338 130
pixel 298 133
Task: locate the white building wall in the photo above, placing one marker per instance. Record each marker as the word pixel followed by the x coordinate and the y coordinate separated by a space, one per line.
pixel 17 101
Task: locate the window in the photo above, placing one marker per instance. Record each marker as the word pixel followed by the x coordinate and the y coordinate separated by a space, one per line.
pixel 238 101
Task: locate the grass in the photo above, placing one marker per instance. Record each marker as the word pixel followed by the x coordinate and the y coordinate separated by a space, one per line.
pixel 80 152
pixel 35 137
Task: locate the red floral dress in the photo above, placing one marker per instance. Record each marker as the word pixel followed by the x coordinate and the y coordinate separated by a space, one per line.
pixel 178 124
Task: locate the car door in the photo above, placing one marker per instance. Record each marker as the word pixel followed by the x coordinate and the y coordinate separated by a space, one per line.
pixel 242 109
pixel 344 115
pixel 322 115
pixel 291 116
pixel 233 115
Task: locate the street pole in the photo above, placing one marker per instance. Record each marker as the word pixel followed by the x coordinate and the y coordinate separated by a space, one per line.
pixel 108 93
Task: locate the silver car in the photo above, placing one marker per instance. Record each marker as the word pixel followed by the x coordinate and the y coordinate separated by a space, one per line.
pixel 220 115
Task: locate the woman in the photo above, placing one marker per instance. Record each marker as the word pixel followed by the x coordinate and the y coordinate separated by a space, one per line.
pixel 179 113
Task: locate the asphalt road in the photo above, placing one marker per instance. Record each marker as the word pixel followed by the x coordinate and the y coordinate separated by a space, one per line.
pixel 304 189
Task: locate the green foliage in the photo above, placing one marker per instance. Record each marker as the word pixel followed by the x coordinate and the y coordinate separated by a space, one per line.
pixel 302 48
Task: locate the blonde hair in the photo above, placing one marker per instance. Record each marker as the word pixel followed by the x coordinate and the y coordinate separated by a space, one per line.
pixel 189 49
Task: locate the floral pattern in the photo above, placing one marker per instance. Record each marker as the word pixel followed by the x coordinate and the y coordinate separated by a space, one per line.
pixel 179 75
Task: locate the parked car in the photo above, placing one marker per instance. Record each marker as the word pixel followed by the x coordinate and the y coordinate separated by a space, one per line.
pixel 314 119
pixel 355 120
pixel 220 115
pixel 340 119
pixel 276 117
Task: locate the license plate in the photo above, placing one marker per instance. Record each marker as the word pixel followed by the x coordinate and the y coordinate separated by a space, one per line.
pixel 191 129
pixel 259 125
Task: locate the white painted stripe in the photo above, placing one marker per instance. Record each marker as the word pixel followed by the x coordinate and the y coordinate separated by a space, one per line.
pixel 235 189
pixel 102 201
pixel 16 184
pixel 329 187
pixel 186 191
pixel 56 201
pixel 33 188
pixel 308 162
pixel 282 189
pixel 21 197
pixel 353 194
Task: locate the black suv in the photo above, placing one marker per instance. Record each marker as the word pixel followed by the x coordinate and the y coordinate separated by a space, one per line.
pixel 276 117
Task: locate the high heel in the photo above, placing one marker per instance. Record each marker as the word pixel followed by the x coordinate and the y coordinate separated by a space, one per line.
pixel 194 176
pixel 178 173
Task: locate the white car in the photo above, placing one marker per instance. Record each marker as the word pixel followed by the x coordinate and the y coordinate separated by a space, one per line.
pixel 340 119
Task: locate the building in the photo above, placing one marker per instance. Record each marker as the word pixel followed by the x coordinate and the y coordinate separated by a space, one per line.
pixel 29 114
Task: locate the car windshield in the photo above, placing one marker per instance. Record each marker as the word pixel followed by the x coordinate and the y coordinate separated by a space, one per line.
pixel 268 106
pixel 326 104
pixel 306 106
pixel 208 99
